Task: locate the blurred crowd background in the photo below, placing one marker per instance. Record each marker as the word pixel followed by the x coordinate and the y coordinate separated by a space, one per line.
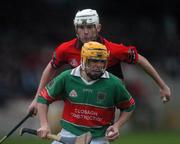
pixel 30 30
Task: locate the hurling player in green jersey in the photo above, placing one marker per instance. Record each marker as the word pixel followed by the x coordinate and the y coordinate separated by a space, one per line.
pixel 90 94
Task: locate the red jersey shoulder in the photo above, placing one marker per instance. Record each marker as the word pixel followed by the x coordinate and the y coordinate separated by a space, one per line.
pixel 115 46
pixel 67 53
pixel 121 52
pixel 66 45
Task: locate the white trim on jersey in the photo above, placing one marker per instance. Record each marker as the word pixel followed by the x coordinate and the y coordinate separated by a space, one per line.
pixel 76 72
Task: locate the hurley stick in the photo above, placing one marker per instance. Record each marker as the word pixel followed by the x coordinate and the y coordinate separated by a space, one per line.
pixel 82 139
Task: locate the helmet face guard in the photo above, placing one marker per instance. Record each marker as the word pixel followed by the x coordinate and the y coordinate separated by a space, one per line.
pixel 95 72
pixel 86 17
pixel 93 53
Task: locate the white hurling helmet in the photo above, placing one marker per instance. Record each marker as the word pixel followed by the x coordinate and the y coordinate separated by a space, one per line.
pixel 86 16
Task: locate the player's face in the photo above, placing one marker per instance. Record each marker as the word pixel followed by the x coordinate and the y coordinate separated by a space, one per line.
pixel 87 33
pixel 95 68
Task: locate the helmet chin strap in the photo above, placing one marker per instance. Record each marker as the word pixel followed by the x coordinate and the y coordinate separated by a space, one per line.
pixel 84 75
pixel 77 36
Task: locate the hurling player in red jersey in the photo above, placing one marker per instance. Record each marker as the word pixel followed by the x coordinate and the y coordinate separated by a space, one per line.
pixel 87 29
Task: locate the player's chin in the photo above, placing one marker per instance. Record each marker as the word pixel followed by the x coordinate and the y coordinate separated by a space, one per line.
pixel 97 74
pixel 94 76
pixel 85 40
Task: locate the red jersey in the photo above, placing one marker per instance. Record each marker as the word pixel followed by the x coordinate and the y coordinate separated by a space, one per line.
pixel 69 53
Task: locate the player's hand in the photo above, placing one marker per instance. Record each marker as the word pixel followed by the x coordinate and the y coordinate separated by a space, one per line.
pixel 165 93
pixel 112 133
pixel 43 131
pixel 33 107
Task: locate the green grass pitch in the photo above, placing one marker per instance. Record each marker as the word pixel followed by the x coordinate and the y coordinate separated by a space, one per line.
pixel 131 138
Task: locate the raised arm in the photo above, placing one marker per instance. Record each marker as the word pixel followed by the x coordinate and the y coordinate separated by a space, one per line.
pixel 165 91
